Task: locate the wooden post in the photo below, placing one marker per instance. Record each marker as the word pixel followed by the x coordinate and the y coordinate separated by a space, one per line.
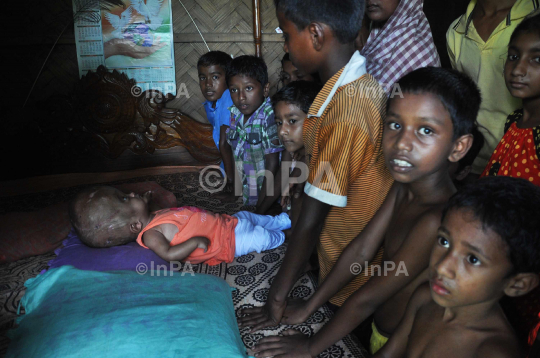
pixel 257 33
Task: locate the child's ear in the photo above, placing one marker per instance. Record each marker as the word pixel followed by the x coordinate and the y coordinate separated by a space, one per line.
pixel 317 34
pixel 135 227
pixel 266 89
pixel 461 147
pixel 521 284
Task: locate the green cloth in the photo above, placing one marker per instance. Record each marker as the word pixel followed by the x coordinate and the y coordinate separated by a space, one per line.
pixel 76 313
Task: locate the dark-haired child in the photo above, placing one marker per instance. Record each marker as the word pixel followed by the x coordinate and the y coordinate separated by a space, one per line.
pixel 106 217
pixel 488 246
pixel 291 105
pixel 477 44
pixel 518 151
pixel 212 68
pixel 289 73
pixel 253 132
pixel 460 170
pixel 399 42
pixel 347 180
pixel 426 129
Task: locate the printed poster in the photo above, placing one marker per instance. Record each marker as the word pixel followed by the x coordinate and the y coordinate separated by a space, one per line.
pixel 136 39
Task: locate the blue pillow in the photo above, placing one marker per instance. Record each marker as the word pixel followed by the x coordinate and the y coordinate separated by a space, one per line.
pixel 77 313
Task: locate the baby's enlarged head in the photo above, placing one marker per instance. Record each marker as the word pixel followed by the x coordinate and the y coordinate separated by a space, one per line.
pixel 105 216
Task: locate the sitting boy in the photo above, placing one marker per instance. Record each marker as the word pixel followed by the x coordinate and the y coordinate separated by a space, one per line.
pixel 252 135
pixel 426 129
pixel 105 217
pixel 291 105
pixel 212 67
pixel 488 246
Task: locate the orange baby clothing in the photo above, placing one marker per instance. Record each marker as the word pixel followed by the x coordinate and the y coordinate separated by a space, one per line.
pixel 191 221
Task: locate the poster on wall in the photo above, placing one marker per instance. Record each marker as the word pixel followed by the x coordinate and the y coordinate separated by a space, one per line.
pixel 136 39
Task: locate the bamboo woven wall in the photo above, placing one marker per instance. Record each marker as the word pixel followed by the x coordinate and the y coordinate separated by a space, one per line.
pixel 225 24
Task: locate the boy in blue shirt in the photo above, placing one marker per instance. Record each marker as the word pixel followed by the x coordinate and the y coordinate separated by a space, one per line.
pixel 212 68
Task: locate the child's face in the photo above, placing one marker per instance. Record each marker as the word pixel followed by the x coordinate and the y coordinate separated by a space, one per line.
pixel 212 82
pixel 522 67
pixel 291 74
pixel 114 211
pixel 381 10
pixel 299 46
pixel 417 138
pixel 247 94
pixel 290 121
pixel 469 264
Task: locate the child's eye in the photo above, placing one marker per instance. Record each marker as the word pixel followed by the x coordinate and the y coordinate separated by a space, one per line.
pixel 512 57
pixel 233 90
pixel 292 121
pixel 443 242
pixel 249 88
pixel 473 260
pixel 215 77
pixel 125 198
pixel 394 126
pixel 536 59
pixel 279 123
pixel 202 78
pixel 426 131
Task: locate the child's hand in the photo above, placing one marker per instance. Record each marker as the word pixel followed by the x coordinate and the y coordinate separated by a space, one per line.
pixel 203 243
pixel 296 312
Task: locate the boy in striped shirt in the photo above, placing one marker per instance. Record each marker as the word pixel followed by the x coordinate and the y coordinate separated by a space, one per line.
pixel 342 135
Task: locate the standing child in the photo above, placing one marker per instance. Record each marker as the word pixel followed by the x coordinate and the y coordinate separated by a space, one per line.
pixel 488 246
pixel 291 105
pixel 477 45
pixel 347 180
pixel 400 40
pixel 253 132
pixel 518 151
pixel 212 67
pixel 426 129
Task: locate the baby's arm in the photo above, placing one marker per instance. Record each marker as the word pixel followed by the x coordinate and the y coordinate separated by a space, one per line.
pixel 397 344
pixel 158 243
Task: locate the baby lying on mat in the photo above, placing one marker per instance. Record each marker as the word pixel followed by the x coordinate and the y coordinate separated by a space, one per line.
pixel 105 217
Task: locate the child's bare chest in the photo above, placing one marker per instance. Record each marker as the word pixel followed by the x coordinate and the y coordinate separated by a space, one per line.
pixel 403 221
pixel 431 337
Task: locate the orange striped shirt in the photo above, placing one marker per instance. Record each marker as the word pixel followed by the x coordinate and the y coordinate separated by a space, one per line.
pixel 347 168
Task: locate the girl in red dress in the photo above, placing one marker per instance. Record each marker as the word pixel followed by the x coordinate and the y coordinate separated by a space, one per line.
pixel 518 151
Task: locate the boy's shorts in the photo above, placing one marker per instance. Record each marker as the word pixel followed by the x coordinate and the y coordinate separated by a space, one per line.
pixel 377 340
